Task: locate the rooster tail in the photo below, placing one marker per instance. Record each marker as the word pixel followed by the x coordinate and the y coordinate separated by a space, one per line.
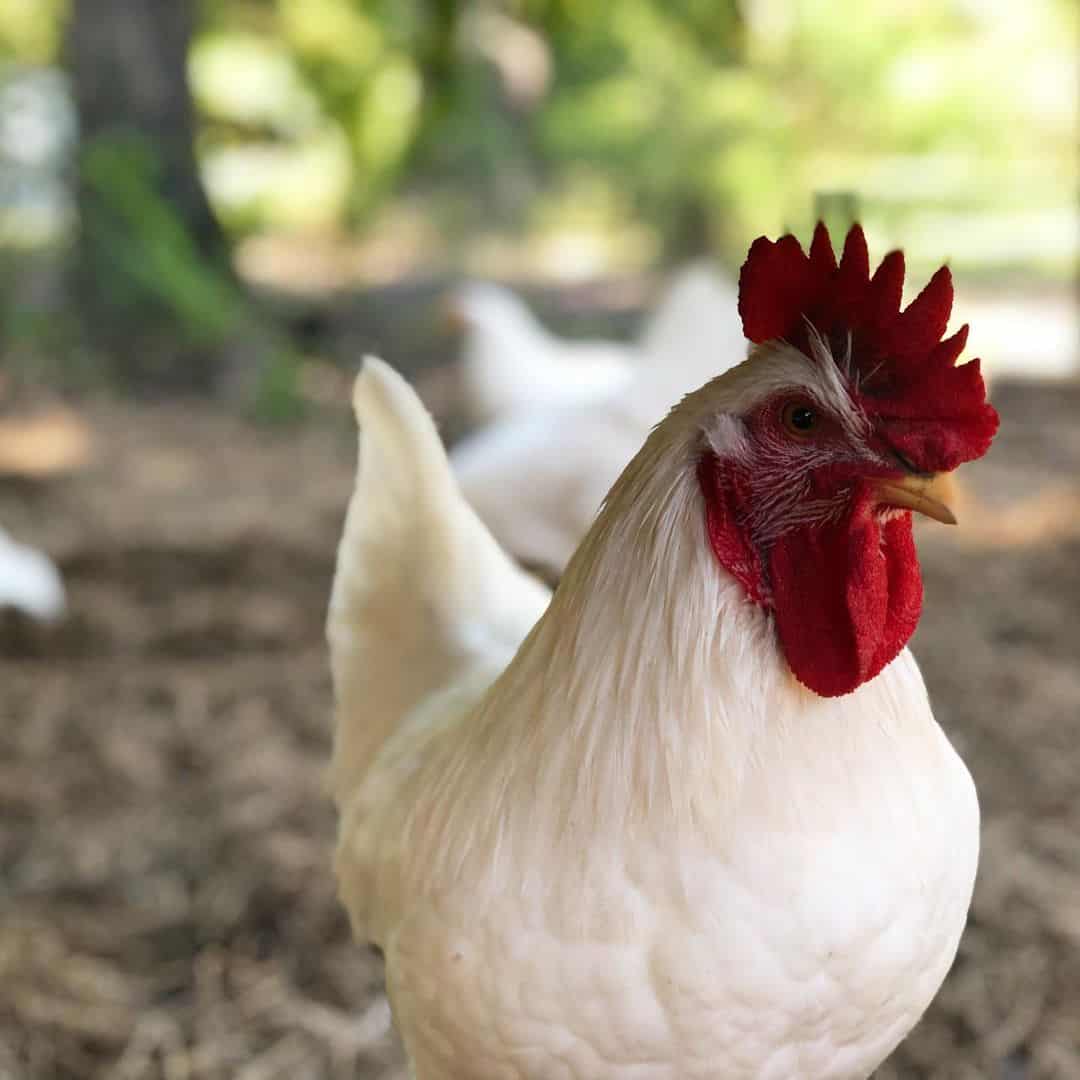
pixel 422 593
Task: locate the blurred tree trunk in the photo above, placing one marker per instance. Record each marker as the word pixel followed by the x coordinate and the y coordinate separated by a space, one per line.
pixel 129 64
pixel 154 272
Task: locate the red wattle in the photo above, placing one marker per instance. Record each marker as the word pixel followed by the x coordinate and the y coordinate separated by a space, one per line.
pixel 847 597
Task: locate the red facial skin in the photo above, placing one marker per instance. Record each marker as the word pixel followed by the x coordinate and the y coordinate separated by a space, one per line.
pixel 796 523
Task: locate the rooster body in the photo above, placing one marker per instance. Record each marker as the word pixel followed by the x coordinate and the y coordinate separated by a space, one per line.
pixel 561 876
pixel 683 819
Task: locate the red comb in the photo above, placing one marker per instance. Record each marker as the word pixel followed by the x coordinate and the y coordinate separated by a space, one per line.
pixel 902 373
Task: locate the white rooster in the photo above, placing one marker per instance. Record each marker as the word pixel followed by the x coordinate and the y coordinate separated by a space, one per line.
pixel 514 365
pixel 537 478
pixel 695 818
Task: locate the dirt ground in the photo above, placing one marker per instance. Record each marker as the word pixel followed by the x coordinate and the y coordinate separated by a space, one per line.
pixel 166 902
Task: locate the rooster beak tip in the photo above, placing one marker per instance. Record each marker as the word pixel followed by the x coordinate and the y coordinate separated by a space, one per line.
pixel 913 493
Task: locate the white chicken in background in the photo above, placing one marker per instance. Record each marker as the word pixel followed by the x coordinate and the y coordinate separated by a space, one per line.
pixel 694 328
pixel 29 582
pixel 537 477
pixel 694 818
pixel 514 365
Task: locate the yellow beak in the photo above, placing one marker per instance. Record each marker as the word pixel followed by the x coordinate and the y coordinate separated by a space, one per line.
pixel 916 493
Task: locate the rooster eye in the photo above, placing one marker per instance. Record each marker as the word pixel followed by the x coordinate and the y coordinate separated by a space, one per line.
pixel 799 419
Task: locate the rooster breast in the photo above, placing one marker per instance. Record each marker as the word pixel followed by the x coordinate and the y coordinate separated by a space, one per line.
pixel 808 946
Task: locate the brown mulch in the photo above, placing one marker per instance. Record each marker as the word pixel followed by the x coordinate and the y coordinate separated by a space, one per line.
pixel 166 903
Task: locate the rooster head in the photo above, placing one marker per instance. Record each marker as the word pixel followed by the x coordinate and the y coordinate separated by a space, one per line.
pixel 833 432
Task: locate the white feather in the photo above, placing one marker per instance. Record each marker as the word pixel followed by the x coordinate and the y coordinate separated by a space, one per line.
pixel 514 366
pixel 29 581
pixel 422 592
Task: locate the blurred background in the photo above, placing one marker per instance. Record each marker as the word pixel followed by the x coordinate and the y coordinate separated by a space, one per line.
pixel 209 210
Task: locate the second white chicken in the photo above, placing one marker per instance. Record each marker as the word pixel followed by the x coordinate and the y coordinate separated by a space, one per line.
pixel 515 366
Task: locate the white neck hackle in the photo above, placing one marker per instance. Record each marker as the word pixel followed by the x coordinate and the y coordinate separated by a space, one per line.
pixel 635 694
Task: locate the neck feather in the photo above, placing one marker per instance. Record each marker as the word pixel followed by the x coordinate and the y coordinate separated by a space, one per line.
pixel 665 669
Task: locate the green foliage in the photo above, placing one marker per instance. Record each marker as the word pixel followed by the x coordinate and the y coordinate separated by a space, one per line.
pixel 30 29
pixel 277 397
pixel 953 122
pixel 151 257
pixel 732 112
pixel 180 313
pixel 329 67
